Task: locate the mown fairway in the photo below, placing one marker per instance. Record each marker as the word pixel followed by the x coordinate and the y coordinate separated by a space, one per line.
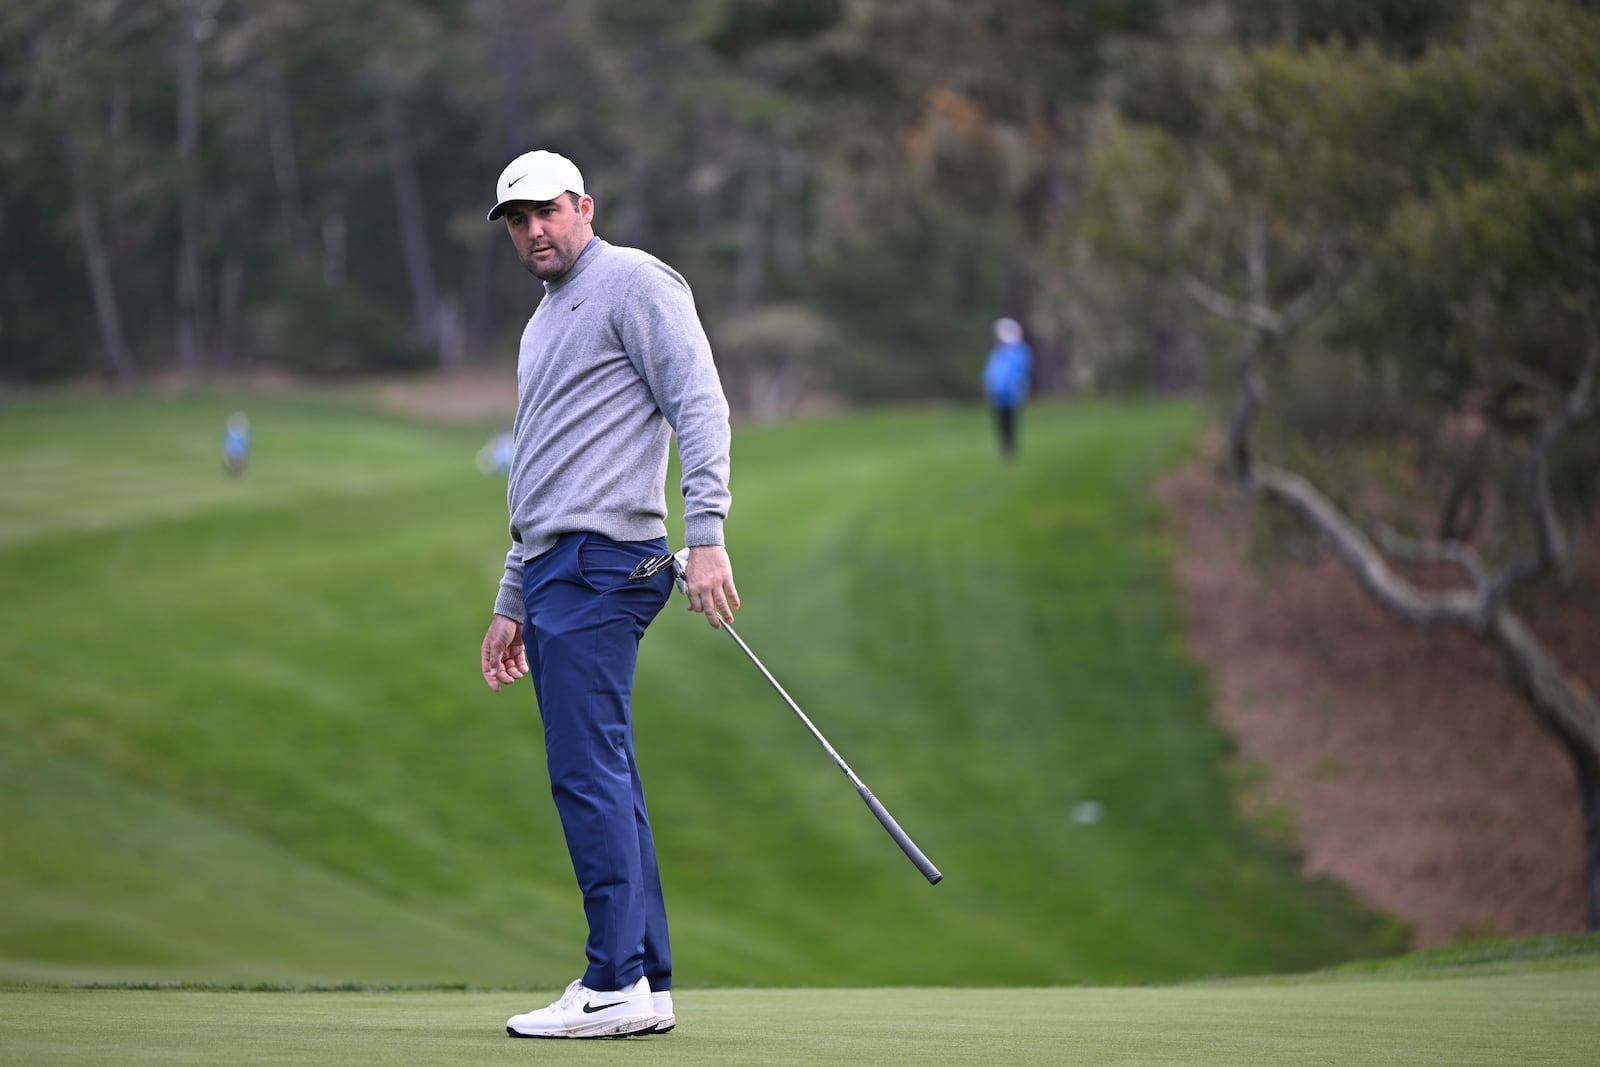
pixel 243 738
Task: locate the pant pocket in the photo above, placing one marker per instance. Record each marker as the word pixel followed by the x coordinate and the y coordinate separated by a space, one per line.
pixel 606 565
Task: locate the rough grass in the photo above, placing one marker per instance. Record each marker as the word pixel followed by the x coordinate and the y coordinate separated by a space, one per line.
pixel 242 736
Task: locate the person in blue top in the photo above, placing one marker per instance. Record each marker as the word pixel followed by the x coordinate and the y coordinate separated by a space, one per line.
pixel 1005 380
pixel 236 444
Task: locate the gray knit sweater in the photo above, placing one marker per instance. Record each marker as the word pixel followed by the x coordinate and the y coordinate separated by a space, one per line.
pixel 613 361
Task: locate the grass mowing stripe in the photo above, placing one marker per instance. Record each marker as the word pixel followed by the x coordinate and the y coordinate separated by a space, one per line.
pixel 988 644
pixel 69 468
pixel 85 870
pixel 1532 1016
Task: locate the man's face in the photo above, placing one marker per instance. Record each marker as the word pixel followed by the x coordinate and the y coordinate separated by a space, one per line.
pixel 549 234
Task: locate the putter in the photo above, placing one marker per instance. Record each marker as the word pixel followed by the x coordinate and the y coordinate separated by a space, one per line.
pixel 901 838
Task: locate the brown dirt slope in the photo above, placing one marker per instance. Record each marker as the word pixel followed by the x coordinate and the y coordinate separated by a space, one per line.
pixel 1412 774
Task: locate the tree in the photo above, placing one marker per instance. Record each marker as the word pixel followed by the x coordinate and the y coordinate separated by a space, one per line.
pixel 954 162
pixel 68 72
pixel 1418 237
pixel 309 174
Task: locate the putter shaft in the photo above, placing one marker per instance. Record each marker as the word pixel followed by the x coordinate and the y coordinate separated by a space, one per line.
pixel 901 838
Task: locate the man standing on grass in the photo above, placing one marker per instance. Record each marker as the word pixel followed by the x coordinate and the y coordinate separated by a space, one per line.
pixel 613 362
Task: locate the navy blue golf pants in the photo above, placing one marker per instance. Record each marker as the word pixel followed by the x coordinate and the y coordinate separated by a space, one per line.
pixel 583 620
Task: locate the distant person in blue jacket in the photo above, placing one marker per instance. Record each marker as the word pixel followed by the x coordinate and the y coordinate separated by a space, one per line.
pixel 236 444
pixel 1005 380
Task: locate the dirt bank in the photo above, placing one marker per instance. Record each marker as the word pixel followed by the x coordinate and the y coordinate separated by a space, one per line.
pixel 1412 774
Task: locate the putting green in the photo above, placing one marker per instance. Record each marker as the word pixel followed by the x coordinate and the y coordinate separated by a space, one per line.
pixel 1545 1014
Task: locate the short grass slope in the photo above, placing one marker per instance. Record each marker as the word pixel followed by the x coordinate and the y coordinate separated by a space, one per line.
pixel 243 738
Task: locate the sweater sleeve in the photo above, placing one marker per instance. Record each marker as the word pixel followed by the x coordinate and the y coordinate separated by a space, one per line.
pixel 508 599
pixel 662 335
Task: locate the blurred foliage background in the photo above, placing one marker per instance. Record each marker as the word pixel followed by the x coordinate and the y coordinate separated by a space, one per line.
pixel 1402 194
pixel 855 188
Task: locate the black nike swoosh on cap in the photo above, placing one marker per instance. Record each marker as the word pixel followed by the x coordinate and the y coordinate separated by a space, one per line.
pixel 589 1009
pixel 515 180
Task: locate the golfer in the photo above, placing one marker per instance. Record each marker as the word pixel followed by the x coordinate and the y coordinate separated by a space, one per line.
pixel 613 362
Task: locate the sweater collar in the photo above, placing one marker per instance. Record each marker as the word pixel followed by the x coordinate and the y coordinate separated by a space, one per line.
pixel 590 253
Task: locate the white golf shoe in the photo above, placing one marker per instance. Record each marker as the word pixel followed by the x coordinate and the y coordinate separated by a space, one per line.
pixel 665 1020
pixel 585 1012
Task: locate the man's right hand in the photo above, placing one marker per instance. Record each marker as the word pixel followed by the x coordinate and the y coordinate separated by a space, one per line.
pixel 504 657
pixel 708 581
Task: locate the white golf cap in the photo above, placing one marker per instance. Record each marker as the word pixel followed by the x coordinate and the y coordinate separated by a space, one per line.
pixel 536 177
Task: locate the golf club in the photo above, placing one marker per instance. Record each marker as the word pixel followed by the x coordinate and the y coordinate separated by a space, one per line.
pixel 901 838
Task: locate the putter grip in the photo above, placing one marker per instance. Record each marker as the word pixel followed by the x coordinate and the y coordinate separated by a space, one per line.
pixel 901 838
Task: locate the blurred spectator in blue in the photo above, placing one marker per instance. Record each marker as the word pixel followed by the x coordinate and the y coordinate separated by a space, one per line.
pixel 1005 379
pixel 495 456
pixel 236 443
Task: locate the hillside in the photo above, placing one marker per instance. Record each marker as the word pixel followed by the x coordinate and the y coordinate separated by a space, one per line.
pixel 243 737
pixel 1347 720
pixel 1393 755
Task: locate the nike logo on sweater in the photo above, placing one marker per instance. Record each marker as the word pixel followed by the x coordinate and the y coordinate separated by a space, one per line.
pixel 590 1009
pixel 579 304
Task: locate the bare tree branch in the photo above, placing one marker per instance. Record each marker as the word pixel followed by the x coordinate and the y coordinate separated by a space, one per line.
pixel 1539 383
pixel 1481 604
pixel 1365 561
pixel 1581 402
pixel 1300 310
pixel 1262 318
pixel 1459 553
pixel 1251 396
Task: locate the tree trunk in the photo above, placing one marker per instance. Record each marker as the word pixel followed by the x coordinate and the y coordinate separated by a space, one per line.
pixel 333 247
pixel 119 125
pixel 285 165
pixel 755 212
pixel 1589 797
pixel 1558 702
pixel 1478 603
pixel 789 225
pixel 227 342
pixel 1572 716
pixel 412 218
pixel 107 312
pixel 192 328
pixel 628 220
pixel 481 310
pixel 514 56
